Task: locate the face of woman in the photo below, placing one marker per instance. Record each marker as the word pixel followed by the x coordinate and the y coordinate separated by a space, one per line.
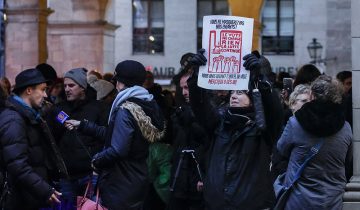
pixel 300 100
pixel 239 98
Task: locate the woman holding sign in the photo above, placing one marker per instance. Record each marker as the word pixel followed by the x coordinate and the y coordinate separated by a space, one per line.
pixel 238 173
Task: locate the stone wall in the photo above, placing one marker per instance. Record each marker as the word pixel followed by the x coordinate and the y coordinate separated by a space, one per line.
pixel 25 35
pixel 338 36
pixel 78 36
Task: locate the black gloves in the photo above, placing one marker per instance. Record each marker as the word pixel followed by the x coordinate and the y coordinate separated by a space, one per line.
pixel 198 59
pixel 253 64
pixel 252 61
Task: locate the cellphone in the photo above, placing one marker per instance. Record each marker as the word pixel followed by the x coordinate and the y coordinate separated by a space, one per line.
pixel 288 85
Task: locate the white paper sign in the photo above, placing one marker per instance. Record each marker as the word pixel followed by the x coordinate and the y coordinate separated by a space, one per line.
pixel 226 39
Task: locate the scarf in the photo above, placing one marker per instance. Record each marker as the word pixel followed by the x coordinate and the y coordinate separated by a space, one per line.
pixel 27 107
pixel 122 96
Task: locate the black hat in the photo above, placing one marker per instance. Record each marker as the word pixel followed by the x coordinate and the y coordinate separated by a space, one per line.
pixel 47 71
pixel 130 73
pixel 28 78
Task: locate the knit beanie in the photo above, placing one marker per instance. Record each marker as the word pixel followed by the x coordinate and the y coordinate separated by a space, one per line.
pixel 78 75
pixel 130 73
pixel 102 87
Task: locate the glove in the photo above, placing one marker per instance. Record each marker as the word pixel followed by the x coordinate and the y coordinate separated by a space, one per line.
pixel 198 59
pixel 252 61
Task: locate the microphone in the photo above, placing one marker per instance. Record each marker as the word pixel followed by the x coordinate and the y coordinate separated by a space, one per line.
pixel 62 117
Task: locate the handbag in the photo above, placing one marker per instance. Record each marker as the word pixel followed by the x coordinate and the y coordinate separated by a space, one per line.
pixel 85 203
pixel 283 192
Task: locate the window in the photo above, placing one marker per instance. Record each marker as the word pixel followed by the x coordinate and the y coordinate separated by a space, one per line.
pixel 209 7
pixel 148 26
pixel 278 27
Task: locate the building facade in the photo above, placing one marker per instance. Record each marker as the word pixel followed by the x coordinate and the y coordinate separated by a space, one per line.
pixel 98 34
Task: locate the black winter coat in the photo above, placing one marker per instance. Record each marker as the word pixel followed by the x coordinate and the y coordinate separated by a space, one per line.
pixel 238 171
pixel 187 135
pixel 26 156
pixel 124 177
pixel 77 159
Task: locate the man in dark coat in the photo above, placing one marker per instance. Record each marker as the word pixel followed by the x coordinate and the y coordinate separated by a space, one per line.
pixel 27 152
pixel 135 121
pixel 187 135
pixel 238 170
pixel 77 149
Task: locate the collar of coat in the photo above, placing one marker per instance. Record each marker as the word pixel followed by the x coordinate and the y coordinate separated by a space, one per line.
pixel 148 130
pixel 321 118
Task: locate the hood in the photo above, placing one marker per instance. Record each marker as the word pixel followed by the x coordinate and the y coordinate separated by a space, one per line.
pixel 321 118
pixel 148 116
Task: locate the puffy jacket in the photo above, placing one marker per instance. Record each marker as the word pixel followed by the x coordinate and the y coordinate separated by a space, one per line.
pixel 76 158
pixel 26 157
pixel 124 179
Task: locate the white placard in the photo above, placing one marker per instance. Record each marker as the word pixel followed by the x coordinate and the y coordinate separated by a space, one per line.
pixel 226 40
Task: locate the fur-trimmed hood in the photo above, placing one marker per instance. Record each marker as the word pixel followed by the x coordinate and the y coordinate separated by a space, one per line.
pixel 148 117
pixel 321 118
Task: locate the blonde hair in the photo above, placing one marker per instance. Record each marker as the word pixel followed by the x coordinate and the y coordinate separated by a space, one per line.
pixel 299 89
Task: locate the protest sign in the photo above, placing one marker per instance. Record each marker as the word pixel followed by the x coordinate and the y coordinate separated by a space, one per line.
pixel 226 39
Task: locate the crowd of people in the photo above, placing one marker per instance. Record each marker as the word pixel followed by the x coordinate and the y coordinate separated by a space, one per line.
pixel 143 147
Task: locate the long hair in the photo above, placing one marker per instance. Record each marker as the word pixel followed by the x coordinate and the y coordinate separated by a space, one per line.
pixel 307 74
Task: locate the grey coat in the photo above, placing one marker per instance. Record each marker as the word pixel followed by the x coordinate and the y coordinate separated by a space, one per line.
pixel 322 183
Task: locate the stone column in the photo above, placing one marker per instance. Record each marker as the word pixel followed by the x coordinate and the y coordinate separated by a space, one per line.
pixel 250 9
pixel 81 44
pixel 79 36
pixel 338 43
pixel 352 194
pixel 25 35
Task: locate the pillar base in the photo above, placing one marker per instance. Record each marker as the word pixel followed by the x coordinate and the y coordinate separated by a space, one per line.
pixel 351 199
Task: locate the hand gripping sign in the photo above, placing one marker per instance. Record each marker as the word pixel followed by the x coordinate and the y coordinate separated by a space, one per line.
pixel 226 39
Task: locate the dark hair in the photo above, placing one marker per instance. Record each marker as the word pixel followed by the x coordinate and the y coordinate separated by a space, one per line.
pixel 47 71
pixel 19 91
pixel 5 83
pixel 3 96
pixel 307 74
pixel 342 76
pixel 283 75
pixel 97 74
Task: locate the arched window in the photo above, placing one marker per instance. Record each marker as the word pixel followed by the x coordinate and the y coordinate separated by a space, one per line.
pixel 148 26
pixel 209 7
pixel 278 27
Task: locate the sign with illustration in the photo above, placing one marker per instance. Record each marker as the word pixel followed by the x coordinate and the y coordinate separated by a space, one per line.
pixel 226 39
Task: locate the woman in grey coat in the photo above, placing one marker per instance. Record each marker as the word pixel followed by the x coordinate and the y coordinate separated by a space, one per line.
pixel 322 183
